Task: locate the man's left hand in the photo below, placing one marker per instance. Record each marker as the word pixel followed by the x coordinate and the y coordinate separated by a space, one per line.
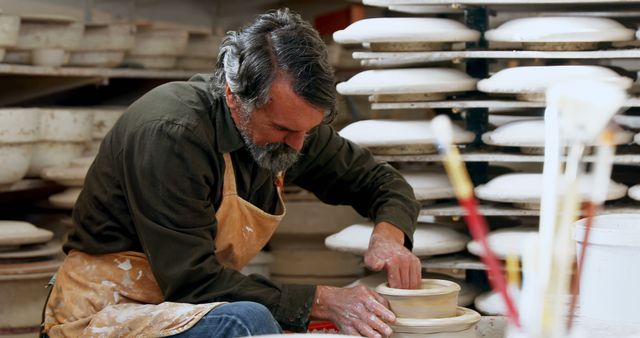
pixel 387 251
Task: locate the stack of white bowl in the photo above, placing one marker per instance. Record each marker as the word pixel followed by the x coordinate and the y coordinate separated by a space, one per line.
pixel 157 47
pixel 9 27
pixel 103 120
pixel 28 260
pixel 18 133
pixel 63 134
pixel 104 45
pixel 45 40
pixel 298 250
pixel 72 177
pixel 202 51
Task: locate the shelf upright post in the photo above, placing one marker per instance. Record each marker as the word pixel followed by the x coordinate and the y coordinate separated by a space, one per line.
pixel 477 119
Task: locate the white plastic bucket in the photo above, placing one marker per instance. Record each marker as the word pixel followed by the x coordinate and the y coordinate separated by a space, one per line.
pixel 609 287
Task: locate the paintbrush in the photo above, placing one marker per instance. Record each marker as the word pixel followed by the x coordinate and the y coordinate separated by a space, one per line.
pixel 459 177
pixel 583 110
pixel 602 171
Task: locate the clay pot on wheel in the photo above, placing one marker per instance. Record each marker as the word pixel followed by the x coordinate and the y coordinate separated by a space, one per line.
pixel 436 298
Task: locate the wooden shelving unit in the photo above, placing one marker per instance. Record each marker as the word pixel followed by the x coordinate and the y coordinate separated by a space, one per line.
pixel 22 83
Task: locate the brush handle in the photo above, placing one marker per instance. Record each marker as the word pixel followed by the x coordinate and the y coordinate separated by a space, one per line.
pixel 479 230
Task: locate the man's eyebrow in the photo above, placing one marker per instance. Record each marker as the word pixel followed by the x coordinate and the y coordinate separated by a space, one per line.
pixel 281 127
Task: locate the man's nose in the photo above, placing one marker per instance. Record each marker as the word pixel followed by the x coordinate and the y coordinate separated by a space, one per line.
pixel 295 140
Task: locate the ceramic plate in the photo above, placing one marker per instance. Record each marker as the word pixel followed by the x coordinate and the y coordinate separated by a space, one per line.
pixel 429 186
pixel 629 121
pixel 634 192
pixel 536 79
pixel 36 250
pixel 530 133
pixel 406 30
pixel 398 134
pixel 21 233
pixel 66 199
pixel 67 176
pixel 465 319
pixel 428 240
pixel 527 188
pixel 504 242
pixel 407 81
pixel 560 29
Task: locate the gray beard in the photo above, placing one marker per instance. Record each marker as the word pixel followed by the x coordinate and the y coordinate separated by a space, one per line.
pixel 275 157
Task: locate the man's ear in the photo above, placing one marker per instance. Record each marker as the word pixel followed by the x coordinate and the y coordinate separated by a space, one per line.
pixel 230 98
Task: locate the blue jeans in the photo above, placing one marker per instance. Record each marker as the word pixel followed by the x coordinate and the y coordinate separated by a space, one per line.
pixel 237 319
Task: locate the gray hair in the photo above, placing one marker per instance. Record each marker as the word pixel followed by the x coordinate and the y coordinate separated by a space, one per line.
pixel 278 40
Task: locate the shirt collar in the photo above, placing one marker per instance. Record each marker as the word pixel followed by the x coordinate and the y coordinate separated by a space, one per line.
pixel 227 134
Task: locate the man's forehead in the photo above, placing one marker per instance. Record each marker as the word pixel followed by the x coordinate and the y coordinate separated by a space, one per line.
pixel 288 109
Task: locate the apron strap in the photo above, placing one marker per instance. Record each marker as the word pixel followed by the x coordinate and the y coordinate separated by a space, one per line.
pixel 229 183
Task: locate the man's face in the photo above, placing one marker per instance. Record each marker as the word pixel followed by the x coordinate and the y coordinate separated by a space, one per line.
pixel 275 133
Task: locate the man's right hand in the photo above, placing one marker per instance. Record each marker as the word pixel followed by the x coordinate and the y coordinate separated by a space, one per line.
pixel 356 311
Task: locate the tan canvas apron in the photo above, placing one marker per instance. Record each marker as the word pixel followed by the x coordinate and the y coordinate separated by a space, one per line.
pixel 116 294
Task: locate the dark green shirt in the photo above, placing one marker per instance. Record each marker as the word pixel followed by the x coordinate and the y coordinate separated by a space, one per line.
pixel 156 184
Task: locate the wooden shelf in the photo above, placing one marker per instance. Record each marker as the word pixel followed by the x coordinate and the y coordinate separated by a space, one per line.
pixel 474 103
pixel 28 189
pixel 514 5
pixel 9 69
pixel 459 261
pixel 409 58
pixel 23 83
pixel 627 155
pixel 487 209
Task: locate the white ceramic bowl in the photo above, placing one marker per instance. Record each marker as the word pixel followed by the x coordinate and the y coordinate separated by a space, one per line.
pixel 48 57
pixel 65 125
pixel 18 125
pixel 9 28
pixel 196 63
pixel 160 42
pixel 107 37
pixel 406 30
pixel 560 29
pixel 97 58
pixel 428 240
pixel 203 45
pixel 53 154
pixel 14 161
pixel 151 62
pixel 49 31
pixel 18 57
pixel 436 298
pixel 407 81
pixel 536 79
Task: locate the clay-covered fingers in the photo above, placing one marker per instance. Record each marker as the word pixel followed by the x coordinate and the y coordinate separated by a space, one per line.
pixel 404 271
pixel 373 313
